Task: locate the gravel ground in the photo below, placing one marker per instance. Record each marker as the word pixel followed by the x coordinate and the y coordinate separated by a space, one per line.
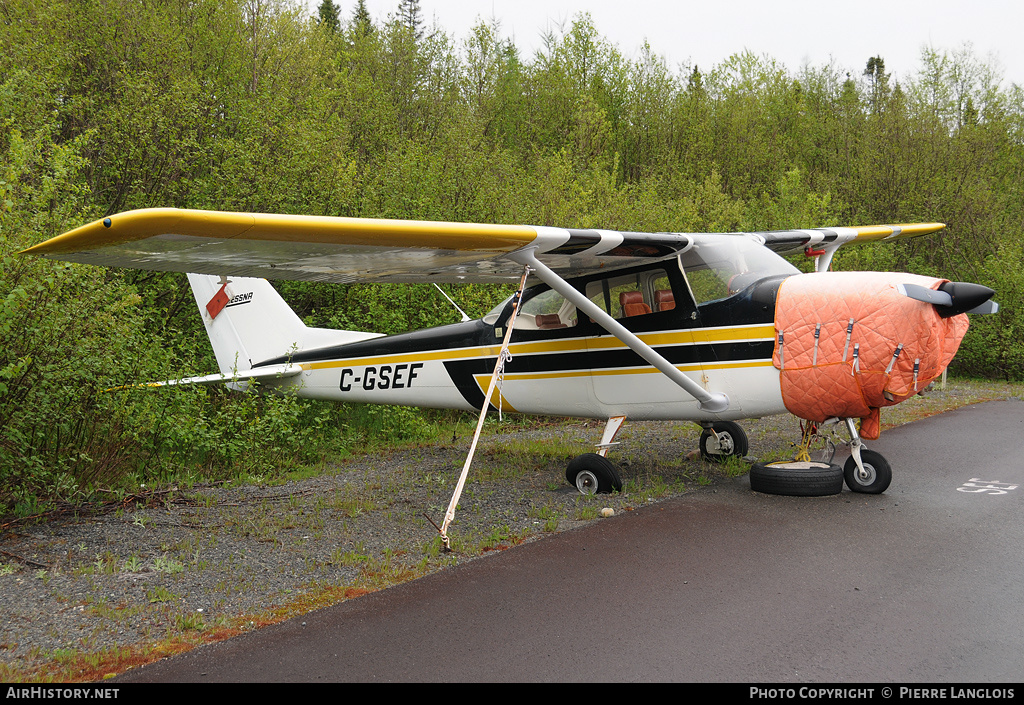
pixel 206 562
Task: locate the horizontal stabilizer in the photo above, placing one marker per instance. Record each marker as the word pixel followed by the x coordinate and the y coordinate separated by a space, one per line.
pixel 262 374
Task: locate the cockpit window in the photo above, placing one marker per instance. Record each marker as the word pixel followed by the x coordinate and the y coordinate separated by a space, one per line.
pixel 492 316
pixel 718 266
pixel 546 311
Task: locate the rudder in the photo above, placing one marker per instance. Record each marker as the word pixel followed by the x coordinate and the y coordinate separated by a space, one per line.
pixel 248 322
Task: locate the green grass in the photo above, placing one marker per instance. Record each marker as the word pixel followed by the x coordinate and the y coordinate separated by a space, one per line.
pixel 170 566
pixel 191 621
pixel 158 593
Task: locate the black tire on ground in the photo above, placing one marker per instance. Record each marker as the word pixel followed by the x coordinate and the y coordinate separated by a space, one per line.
pixel 797 478
pixel 734 442
pixel 878 470
pixel 591 473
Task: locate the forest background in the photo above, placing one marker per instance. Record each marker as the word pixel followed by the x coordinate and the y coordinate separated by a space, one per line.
pixel 254 105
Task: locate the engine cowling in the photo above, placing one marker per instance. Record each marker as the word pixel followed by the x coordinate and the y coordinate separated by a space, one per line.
pixel 849 343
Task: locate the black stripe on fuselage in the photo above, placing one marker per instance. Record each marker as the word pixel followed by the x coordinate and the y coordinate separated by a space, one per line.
pixel 463 372
pixel 479 334
pixel 458 335
pixel 754 306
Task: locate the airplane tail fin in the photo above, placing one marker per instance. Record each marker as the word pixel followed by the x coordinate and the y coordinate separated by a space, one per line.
pixel 248 322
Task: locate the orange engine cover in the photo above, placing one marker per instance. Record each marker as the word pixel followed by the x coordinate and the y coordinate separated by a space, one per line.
pixel 836 343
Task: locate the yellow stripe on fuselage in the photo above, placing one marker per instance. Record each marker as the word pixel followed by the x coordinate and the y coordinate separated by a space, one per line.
pixel 484 381
pixel 695 336
pixel 689 367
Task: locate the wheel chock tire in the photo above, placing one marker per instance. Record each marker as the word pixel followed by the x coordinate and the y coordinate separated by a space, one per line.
pixel 797 478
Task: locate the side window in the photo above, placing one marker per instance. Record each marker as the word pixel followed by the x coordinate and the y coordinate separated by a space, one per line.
pixel 546 311
pixel 664 299
pixel 633 295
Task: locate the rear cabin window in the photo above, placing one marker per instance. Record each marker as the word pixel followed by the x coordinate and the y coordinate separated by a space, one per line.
pixel 633 295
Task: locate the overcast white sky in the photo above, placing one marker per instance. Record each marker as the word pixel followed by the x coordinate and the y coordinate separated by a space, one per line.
pixel 793 32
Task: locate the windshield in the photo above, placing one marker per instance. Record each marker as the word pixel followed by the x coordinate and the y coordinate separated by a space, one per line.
pixel 717 266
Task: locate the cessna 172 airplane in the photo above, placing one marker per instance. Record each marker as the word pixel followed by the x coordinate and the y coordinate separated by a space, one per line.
pixel 712 328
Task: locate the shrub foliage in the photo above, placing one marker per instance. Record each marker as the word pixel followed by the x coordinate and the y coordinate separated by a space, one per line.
pixel 256 106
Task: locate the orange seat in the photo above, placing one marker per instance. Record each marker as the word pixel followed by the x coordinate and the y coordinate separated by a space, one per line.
pixel 546 321
pixel 663 300
pixel 632 303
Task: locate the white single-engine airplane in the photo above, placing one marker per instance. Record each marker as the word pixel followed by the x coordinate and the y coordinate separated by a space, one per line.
pixel 711 328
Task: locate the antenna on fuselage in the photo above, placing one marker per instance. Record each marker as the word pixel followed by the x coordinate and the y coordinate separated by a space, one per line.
pixel 464 316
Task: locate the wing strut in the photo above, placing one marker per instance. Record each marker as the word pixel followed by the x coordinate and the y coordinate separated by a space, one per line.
pixel 710 402
pixel 498 369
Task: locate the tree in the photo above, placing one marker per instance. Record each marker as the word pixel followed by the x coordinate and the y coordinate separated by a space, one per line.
pixel 361 22
pixel 878 81
pixel 410 15
pixel 328 16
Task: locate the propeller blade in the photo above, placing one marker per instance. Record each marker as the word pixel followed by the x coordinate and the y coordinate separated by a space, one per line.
pixel 987 307
pixel 952 298
pixel 923 293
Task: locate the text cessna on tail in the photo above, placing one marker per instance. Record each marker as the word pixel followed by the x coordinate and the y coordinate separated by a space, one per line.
pixel 711 328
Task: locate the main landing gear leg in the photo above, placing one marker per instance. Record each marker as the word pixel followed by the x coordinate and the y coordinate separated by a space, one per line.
pixel 865 470
pixel 721 440
pixel 593 473
pixel 611 429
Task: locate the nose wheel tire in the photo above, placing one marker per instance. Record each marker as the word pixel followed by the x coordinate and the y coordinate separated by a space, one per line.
pixel 797 478
pixel 591 473
pixel 876 476
pixel 730 441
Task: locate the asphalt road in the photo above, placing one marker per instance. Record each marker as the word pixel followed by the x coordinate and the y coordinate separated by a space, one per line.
pixel 920 584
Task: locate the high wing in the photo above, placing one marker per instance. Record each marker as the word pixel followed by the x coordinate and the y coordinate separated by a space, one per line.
pixel 342 250
pixel 346 250
pixel 822 243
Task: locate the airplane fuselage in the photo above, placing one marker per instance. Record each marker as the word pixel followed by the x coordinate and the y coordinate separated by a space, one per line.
pixel 575 368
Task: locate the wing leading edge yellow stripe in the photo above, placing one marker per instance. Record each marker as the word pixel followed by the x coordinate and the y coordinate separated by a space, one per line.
pixel 150 222
pixel 867 233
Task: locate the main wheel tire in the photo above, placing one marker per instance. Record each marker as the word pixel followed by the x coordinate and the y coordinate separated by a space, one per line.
pixel 733 442
pixel 797 478
pixel 591 473
pixel 879 474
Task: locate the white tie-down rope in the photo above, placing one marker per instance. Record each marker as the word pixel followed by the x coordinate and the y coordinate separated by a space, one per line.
pixel 499 369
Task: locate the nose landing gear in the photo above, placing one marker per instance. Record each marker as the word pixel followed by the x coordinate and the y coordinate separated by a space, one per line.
pixel 865 471
pixel 812 472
